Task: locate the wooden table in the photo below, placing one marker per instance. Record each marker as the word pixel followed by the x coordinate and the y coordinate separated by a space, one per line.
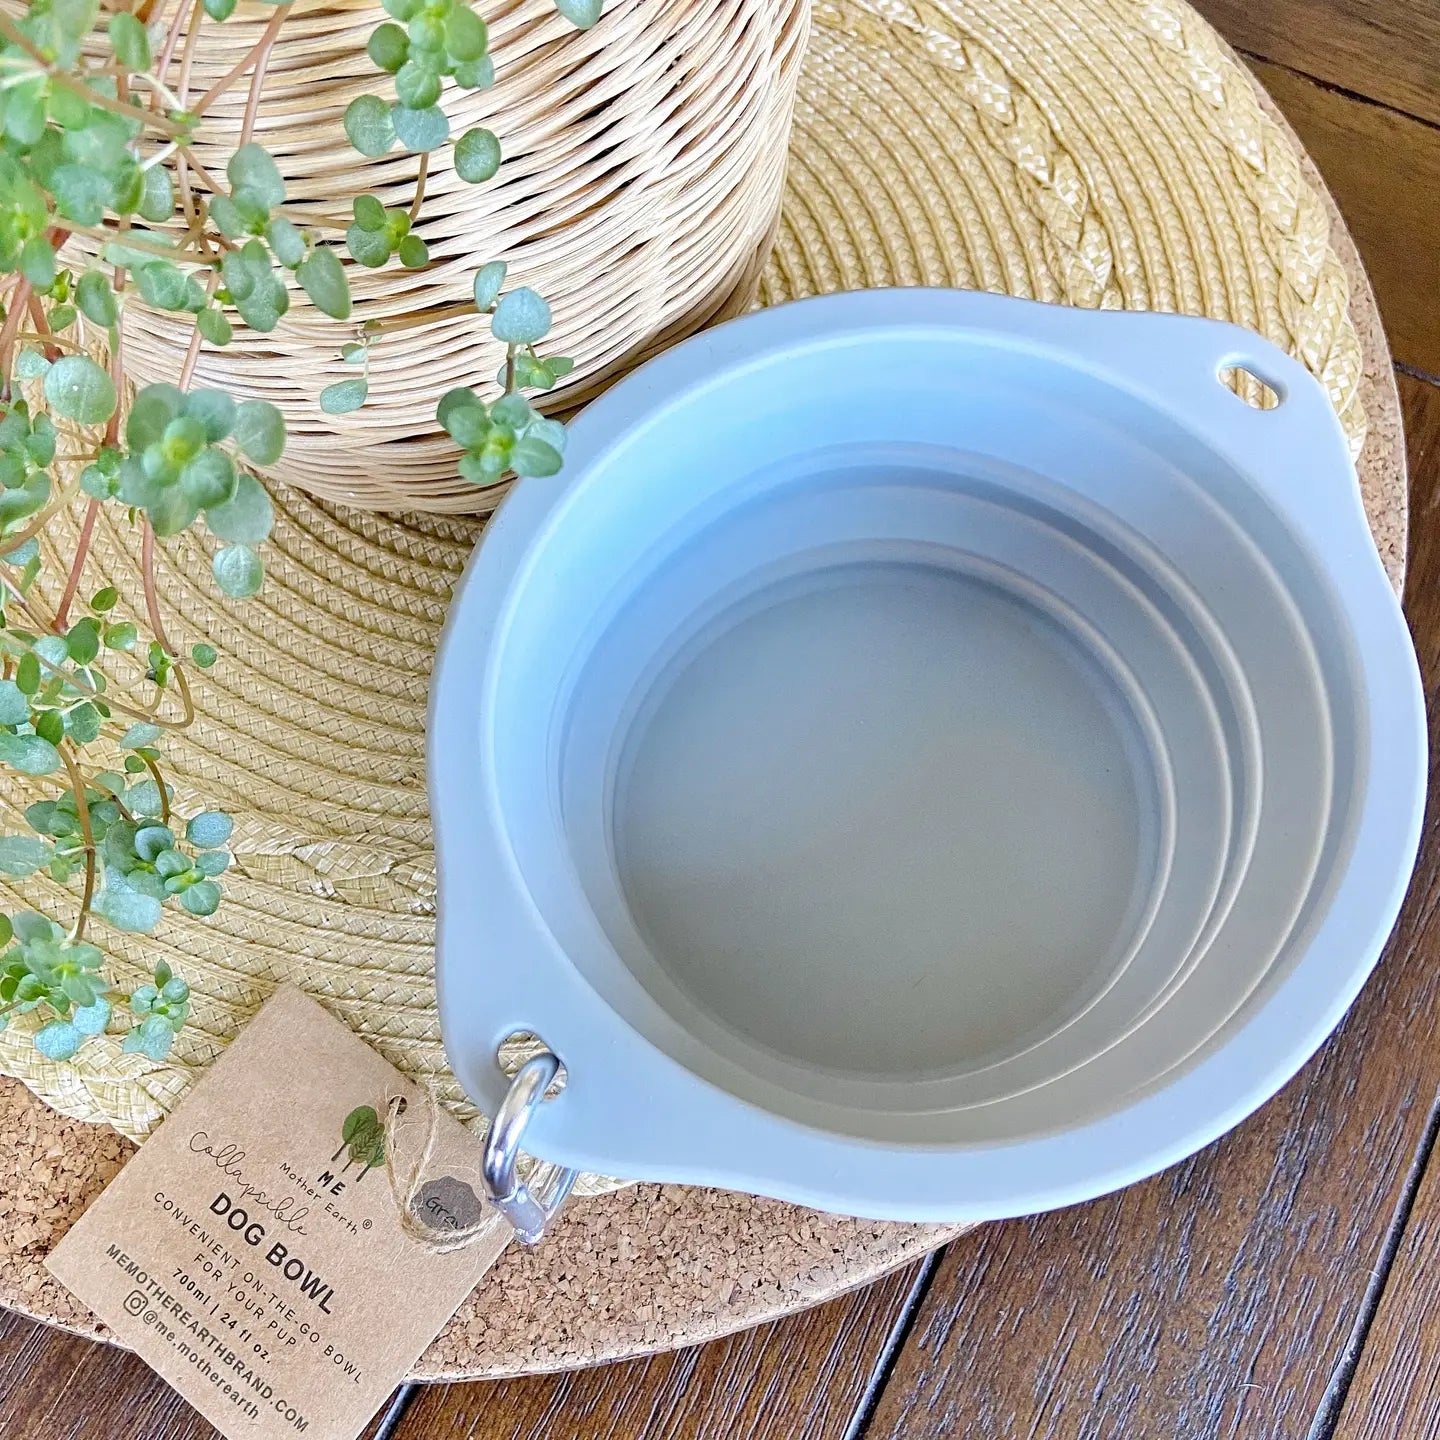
pixel 1274 1286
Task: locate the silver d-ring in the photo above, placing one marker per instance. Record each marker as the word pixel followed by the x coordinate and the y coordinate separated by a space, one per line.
pixel 526 1210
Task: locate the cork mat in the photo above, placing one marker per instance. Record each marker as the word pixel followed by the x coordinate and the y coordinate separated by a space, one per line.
pixel 1096 152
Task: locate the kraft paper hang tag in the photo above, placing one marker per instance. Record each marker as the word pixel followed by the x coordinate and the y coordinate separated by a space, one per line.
pixel 252 1251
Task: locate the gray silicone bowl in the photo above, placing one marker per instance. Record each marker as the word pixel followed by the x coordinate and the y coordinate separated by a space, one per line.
pixel 928 755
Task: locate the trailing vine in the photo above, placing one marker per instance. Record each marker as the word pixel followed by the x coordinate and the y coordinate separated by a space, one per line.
pixel 102 197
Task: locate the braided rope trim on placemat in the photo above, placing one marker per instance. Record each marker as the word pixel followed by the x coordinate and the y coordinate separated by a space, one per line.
pixel 1096 152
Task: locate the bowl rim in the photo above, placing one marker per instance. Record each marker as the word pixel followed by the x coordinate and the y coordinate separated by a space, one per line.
pixel 629 1107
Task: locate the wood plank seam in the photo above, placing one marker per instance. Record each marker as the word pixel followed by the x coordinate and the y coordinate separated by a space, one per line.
pixel 894 1344
pixel 394 1414
pixel 1327 1414
pixel 1416 373
pixel 1252 57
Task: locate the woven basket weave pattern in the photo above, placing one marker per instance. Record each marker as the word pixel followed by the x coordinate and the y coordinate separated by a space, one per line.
pixel 1096 152
pixel 644 162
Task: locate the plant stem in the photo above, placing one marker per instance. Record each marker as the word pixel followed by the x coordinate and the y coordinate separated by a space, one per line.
pixel 192 37
pixel 262 63
pixel 510 353
pixel 94 97
pixel 157 625
pixel 192 354
pixel 135 242
pixel 158 88
pixel 159 780
pixel 172 37
pixel 251 57
pixel 82 808
pixel 42 328
pixel 19 299
pixel 82 549
pixel 420 186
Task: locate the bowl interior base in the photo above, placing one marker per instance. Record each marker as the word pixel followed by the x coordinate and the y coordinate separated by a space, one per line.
pixel 884 820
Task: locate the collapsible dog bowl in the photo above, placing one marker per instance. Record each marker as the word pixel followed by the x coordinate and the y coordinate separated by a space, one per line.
pixel 928 755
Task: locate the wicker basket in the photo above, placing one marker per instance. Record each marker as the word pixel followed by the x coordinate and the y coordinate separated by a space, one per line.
pixel 644 161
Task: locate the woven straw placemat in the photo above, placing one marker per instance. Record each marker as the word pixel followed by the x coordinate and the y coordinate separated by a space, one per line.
pixel 1092 152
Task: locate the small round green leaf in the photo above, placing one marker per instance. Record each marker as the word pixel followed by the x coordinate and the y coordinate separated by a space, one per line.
pixel 369 212
pixel 215 326
pixel 28 754
pixel 153 409
pixel 488 280
pixel 238 572
pixel 475 74
pixel 253 167
pixel 427 32
pixel 82 724
pixel 262 309
pixel 126 908
pixel 201 898
pixel 465 34
pixel 468 425
pixel 157 195
pixel 260 431
pixel 83 642
pixel 418 130
pixel 210 829
pixel 416 86
pixel 322 277
pixel 37 262
pixel 477 155
pixel 219 9
pixel 209 479
pixel 96 299
pixel 344 396
pixel 214 409
pixel 580 13
pixel 163 285
pixel 129 41
pixel 77 388
pixel 227 217
pixel 286 241
pixel 23 854
pixel 521 318
pixel 369 126
pixel 246 517
pixel 204 655
pixel 534 457
pixel 59 1040
pixel 14 706
pixel 91 1019
pixel 370 248
pixel 27 678
pixel 389 46
pixel 414 253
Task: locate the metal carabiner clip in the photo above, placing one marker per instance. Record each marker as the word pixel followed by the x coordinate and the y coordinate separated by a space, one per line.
pixel 526 1210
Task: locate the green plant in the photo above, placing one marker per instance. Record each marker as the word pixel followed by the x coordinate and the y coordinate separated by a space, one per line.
pixel 363 1135
pixel 102 196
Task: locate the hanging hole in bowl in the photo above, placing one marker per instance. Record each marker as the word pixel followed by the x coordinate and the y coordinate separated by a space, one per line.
pixel 1243 382
pixel 522 1045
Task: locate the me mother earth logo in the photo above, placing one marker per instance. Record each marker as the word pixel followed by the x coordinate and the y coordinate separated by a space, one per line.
pixel 260 1267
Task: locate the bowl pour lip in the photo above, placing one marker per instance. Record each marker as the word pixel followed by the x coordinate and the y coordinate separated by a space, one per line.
pixel 630 1108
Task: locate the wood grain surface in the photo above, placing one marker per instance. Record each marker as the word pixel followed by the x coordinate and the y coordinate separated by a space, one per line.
pixel 1221 1297
pixel 806 1375
pixel 1384 171
pixel 1395 1394
pixel 1385 50
pixel 1276 1287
